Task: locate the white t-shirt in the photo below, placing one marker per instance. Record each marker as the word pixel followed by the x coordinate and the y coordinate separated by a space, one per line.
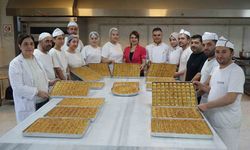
pixel 91 54
pixel 59 60
pixel 174 55
pixel 39 78
pixel 183 62
pixel 112 52
pixel 46 61
pixel 206 70
pixel 74 59
pixel 157 53
pixel 65 46
pixel 229 79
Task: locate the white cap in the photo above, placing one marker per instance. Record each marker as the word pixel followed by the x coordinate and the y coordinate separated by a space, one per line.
pixel 112 29
pixel 94 34
pixel 209 36
pixel 222 41
pixel 57 32
pixel 43 36
pixel 182 31
pixel 72 23
pixel 174 35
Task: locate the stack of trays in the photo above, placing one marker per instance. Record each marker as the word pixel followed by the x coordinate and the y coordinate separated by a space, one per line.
pixel 126 70
pixel 174 112
pixel 101 68
pixel 150 80
pixel 69 119
pixel 125 88
pixel 69 89
pixel 161 70
pixel 86 74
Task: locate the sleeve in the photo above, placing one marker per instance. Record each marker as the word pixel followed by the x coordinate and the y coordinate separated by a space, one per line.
pixel 143 53
pixel 236 81
pixel 105 51
pixel 124 54
pixel 55 59
pixel 17 82
pixel 83 53
pixel 148 53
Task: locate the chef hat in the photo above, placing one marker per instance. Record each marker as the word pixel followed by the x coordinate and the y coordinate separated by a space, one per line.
pixel 43 36
pixel 71 37
pixel 94 34
pixel 209 36
pixel 222 41
pixel 174 35
pixel 57 32
pixel 182 31
pixel 112 29
pixel 72 23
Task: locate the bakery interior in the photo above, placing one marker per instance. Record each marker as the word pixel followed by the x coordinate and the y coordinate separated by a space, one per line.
pixel 227 17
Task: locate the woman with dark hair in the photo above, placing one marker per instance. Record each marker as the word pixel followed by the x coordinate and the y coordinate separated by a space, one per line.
pixel 135 53
pixel 28 79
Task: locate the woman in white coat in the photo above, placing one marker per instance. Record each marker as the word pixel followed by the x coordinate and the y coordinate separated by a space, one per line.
pixel 28 79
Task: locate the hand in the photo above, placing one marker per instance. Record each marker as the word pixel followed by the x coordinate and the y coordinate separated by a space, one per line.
pixel 203 107
pixel 43 94
pixel 142 66
pixel 52 82
pixel 198 85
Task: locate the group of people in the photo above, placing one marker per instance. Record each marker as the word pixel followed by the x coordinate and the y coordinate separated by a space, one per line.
pixel 206 60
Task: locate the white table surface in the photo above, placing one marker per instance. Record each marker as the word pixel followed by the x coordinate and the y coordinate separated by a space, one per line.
pixel 123 123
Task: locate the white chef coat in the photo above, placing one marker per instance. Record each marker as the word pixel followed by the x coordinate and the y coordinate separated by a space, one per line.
pixel 157 53
pixel 174 55
pixel 59 60
pixel 24 90
pixel 112 52
pixel 91 54
pixel 226 119
pixel 206 70
pixel 74 59
pixel 47 63
pixel 183 62
pixel 65 46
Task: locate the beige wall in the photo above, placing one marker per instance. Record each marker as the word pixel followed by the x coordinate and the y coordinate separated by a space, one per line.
pixel 7 46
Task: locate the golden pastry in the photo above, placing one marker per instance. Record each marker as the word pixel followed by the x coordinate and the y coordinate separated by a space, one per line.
pixel 161 70
pixel 86 74
pixel 101 68
pixel 96 85
pixel 125 88
pixel 126 70
pixel 82 102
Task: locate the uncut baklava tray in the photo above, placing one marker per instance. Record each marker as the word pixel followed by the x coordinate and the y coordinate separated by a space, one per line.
pixel 63 89
pixel 181 128
pixel 57 127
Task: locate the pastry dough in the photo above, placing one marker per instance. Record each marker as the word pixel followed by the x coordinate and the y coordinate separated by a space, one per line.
pixel 58 126
pixel 78 112
pixel 171 112
pixel 126 70
pixel 180 126
pixel 101 68
pixel 70 88
pixel 161 70
pixel 86 74
pixel 82 102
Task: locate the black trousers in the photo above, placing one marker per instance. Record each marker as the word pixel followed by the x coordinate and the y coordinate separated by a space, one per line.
pixel 39 105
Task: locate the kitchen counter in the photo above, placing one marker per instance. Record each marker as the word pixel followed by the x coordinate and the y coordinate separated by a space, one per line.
pixel 123 123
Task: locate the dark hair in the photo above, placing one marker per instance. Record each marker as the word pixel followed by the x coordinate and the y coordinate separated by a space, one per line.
pixel 23 36
pixel 157 29
pixel 197 36
pixel 136 34
pixel 215 41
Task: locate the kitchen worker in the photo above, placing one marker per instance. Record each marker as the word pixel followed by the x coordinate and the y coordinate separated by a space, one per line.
pixel 223 109
pixel 135 53
pixel 158 51
pixel 28 79
pixel 42 54
pixel 72 29
pixel 60 62
pixel 196 59
pixel 112 50
pixel 209 41
pixel 73 56
pixel 92 52
pixel 174 49
pixel 184 43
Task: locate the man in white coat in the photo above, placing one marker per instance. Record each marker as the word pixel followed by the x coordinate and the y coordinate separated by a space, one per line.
pixel 42 54
pixel 158 51
pixel 184 43
pixel 72 29
pixel 223 109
